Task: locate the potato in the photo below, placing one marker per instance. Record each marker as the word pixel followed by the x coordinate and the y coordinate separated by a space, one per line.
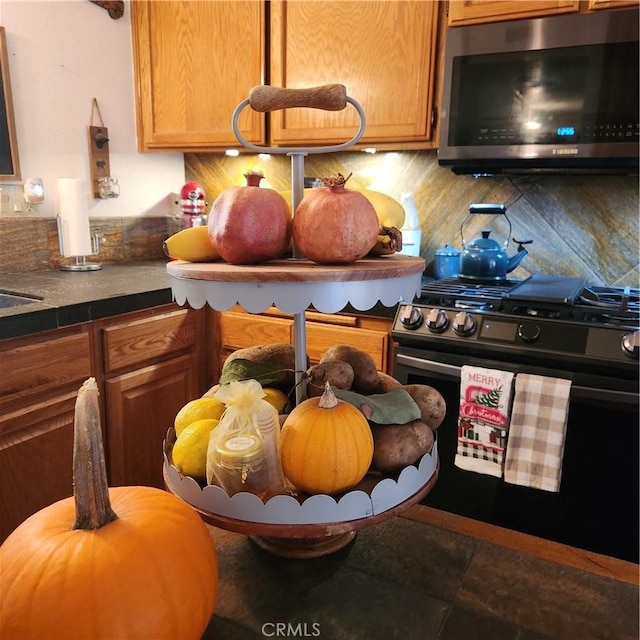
pixel 396 446
pixel 432 405
pixel 365 372
pixel 336 372
pixel 211 392
pixel 279 354
pixel 386 383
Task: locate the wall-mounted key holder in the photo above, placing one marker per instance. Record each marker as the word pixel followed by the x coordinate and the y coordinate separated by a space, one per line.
pixel 104 185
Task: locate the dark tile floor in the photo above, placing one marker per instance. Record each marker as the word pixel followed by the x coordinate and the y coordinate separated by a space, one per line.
pixel 406 579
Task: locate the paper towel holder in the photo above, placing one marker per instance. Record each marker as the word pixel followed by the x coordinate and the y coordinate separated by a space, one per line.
pixel 80 262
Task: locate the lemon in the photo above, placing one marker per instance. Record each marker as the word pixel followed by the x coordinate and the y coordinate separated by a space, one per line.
pixel 197 410
pixel 190 449
pixel 275 398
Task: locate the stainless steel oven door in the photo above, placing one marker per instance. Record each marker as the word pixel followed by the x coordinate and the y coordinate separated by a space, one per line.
pixel 597 507
pixel 591 388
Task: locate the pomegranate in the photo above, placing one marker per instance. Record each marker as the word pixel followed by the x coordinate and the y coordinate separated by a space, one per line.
pixel 335 225
pixel 250 224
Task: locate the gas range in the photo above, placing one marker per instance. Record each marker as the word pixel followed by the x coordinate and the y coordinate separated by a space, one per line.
pixel 551 327
pixel 543 320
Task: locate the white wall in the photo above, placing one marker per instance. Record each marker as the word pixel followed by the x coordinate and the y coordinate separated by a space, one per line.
pixel 62 54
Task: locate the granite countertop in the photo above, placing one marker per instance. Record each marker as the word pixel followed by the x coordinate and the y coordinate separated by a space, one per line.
pixel 70 297
pixel 412 578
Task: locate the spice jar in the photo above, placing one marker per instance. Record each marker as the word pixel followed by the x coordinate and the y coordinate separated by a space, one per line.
pixel 240 465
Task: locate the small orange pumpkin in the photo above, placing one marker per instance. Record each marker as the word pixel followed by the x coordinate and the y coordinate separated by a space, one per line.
pixel 148 572
pixel 326 445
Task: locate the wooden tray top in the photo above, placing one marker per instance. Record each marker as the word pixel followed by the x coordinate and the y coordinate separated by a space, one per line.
pixel 299 270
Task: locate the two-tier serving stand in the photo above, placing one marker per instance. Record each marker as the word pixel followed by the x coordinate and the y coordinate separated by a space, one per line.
pixel 319 524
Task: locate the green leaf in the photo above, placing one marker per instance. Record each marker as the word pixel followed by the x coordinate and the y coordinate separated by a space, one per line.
pixel 241 369
pixel 394 407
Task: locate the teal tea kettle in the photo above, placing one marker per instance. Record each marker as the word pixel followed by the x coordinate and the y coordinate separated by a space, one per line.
pixel 483 259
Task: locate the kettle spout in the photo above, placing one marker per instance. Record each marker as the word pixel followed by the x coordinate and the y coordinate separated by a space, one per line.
pixel 515 260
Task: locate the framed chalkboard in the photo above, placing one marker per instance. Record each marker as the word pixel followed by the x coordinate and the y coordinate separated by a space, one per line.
pixel 9 163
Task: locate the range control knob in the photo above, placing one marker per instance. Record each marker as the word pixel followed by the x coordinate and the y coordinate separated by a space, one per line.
pixel 529 331
pixel 463 323
pixel 437 320
pixel 631 344
pixel 411 317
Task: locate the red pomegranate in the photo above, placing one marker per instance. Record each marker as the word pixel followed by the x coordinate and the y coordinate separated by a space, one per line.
pixel 335 225
pixel 250 224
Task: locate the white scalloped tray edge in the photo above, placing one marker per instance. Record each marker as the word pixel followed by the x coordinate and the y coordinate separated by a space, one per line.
pixel 317 509
pixel 295 297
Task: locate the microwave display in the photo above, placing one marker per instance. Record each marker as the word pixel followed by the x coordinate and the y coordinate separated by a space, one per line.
pixel 578 95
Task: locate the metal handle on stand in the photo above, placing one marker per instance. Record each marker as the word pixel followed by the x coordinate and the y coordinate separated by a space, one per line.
pixel 331 97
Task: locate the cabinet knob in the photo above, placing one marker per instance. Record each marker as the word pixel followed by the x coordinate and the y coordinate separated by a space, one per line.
pixel 330 97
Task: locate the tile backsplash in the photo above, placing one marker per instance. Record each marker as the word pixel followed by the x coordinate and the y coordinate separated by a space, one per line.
pixel 581 226
pixel 31 243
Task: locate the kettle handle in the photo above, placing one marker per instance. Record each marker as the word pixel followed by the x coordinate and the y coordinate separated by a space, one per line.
pixel 487 208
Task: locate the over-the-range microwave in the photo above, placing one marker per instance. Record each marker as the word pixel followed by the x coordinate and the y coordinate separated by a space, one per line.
pixel 552 94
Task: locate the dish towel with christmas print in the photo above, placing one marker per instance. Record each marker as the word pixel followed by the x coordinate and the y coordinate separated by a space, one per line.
pixel 537 432
pixel 483 422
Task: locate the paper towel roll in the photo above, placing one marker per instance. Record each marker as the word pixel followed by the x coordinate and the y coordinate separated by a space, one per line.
pixel 74 217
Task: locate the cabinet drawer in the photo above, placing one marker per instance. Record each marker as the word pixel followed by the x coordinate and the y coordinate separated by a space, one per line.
pixel 320 338
pixel 240 330
pixel 51 362
pixel 139 341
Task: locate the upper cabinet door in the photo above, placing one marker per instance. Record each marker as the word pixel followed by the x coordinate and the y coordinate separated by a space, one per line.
pixel 194 62
pixel 612 4
pixel 383 52
pixel 475 11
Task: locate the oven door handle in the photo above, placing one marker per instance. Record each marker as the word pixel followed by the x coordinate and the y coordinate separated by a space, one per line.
pixel 429 365
pixel 577 391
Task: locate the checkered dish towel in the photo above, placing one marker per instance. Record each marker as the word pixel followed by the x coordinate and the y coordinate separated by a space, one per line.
pixel 537 432
pixel 485 398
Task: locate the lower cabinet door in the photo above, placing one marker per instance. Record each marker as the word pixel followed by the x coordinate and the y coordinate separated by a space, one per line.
pixel 141 406
pixel 36 460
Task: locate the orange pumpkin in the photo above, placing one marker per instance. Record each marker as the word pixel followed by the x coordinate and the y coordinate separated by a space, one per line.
pixel 326 445
pixel 148 572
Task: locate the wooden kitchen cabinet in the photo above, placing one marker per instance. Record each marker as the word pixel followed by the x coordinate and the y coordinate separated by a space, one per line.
pixel 148 364
pixel 383 52
pixel 39 380
pixel 239 329
pixel 194 62
pixel 463 12
pixel 154 363
pixel 594 5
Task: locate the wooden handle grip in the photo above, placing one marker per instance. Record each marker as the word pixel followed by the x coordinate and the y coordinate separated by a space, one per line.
pixel 330 97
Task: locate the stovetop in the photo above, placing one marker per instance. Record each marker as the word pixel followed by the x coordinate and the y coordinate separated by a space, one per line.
pixel 547 297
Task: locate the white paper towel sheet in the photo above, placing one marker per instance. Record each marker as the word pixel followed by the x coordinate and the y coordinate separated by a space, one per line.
pixel 74 217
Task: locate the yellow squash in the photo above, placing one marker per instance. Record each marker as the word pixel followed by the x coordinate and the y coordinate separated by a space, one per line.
pixel 389 211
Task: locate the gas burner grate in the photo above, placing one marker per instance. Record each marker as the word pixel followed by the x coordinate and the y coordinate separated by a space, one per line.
pixel 615 305
pixel 539 296
pixel 452 289
pixel 612 298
